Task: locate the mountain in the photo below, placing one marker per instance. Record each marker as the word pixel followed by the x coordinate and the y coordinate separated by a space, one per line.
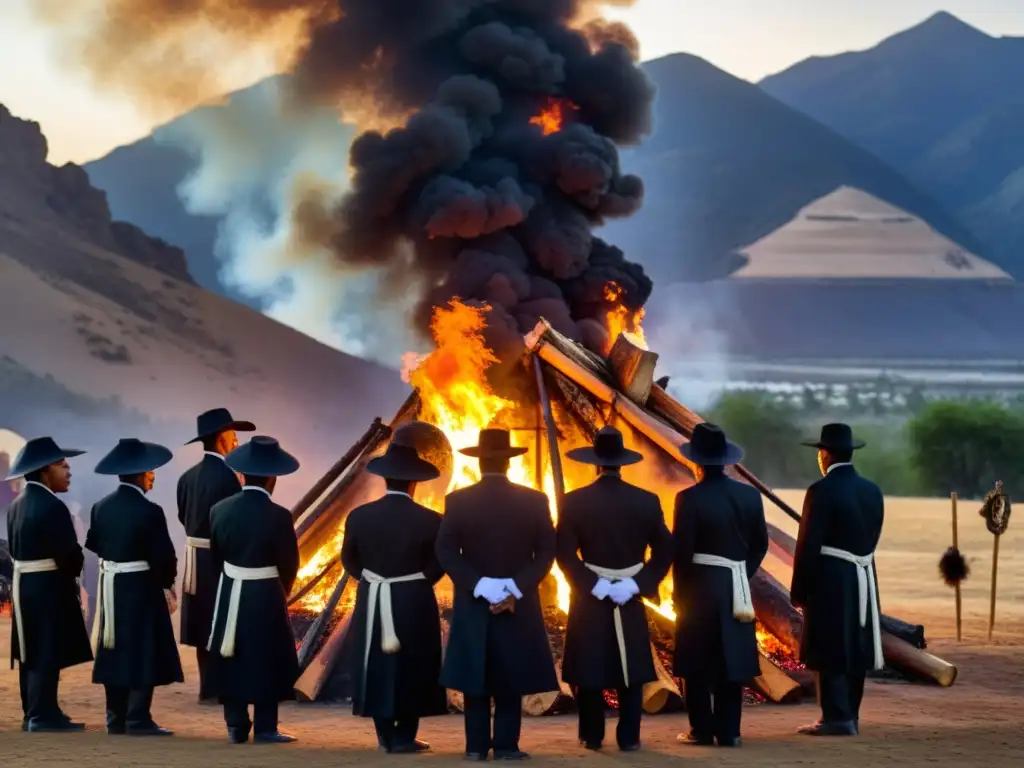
pixel 105 336
pixel 941 102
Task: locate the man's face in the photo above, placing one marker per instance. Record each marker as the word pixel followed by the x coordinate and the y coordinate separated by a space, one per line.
pixel 58 476
pixel 228 441
pixel 824 460
pixel 146 480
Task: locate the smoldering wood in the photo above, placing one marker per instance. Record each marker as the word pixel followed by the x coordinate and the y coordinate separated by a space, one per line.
pixel 775 611
pixel 310 643
pixel 312 681
pixel 633 367
pixel 774 684
pixel 331 568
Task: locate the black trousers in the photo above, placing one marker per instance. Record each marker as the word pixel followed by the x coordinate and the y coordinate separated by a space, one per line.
pixel 202 662
pixel 840 696
pixel 264 716
pixel 391 733
pixel 39 694
pixel 714 708
pixel 591 713
pixel 508 722
pixel 128 707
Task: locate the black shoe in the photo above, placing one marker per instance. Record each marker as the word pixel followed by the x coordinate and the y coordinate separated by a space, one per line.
pixel 209 701
pixel 116 729
pixel 410 748
pixel 476 757
pixel 238 735
pixel 629 747
pixel 730 741
pixel 593 746
pixel 273 737
pixel 691 739
pixel 848 728
pixel 148 730
pixel 24 723
pixel 510 754
pixel 53 726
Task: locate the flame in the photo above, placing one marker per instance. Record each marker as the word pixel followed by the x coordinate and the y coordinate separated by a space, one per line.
pixel 552 117
pixel 620 319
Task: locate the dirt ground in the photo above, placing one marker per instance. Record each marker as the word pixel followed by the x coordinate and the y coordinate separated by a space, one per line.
pixel 977 722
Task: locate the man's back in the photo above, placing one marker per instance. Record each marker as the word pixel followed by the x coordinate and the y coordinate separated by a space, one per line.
pixel 394 536
pixel 250 530
pixel 199 489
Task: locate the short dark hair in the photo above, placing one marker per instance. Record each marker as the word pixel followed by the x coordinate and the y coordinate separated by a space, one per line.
pixel 259 482
pixel 402 486
pixel 497 464
pixel 841 457
pixel 36 476
pixel 210 442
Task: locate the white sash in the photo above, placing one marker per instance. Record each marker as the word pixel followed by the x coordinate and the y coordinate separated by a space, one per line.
pixel 188 582
pixel 20 567
pixel 867 591
pixel 380 587
pixel 105 598
pixel 237 575
pixel 742 602
pixel 613 574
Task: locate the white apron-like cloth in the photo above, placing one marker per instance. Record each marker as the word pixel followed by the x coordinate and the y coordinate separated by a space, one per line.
pixel 613 574
pixel 20 567
pixel 742 602
pixel 188 582
pixel 105 598
pixel 237 576
pixel 380 588
pixel 867 592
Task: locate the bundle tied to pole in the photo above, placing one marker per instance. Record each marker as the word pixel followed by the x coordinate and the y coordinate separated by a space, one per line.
pixel 996 511
pixel 954 568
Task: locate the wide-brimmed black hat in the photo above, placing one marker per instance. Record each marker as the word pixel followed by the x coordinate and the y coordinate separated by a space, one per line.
pixel 709 447
pixel 493 444
pixel 132 456
pixel 402 461
pixel 608 451
pixel 216 421
pixel 38 453
pixel 262 457
pixel 835 437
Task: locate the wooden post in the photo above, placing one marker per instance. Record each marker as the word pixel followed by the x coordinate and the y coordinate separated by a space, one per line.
pixel 549 422
pixel 956 546
pixel 995 570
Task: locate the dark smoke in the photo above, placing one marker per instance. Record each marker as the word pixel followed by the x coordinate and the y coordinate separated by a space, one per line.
pixel 490 208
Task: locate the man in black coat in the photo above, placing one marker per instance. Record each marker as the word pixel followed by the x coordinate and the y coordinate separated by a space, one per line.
pixel 604 531
pixel 389 546
pixel 256 557
pixel 497 543
pixel 199 488
pixel 132 631
pixel 720 540
pixel 49 631
pixel 836 584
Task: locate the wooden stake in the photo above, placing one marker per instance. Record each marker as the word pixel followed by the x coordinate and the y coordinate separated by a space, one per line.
pixel 956 546
pixel 992 604
pixel 549 422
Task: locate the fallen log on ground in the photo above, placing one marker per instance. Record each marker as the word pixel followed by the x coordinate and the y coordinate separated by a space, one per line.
pixel 774 684
pixel 312 681
pixel 658 693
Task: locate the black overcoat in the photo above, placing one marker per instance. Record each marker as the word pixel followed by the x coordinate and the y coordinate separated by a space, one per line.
pixel 724 517
pixel 39 527
pixel 611 524
pixel 845 511
pixel 395 536
pixel 199 488
pixel 251 531
pixel 503 531
pixel 126 526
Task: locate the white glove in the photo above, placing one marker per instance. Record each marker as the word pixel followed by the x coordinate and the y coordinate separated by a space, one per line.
pixel 492 590
pixel 511 587
pixel 623 591
pixel 601 589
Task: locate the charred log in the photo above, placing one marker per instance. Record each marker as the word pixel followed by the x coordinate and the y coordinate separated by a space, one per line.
pixel 313 680
pixel 632 365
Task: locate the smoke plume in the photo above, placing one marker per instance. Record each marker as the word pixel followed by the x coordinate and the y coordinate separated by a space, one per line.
pixel 466 193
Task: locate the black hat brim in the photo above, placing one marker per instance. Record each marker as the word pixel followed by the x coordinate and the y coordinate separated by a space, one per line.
pixel 237 426
pixel 281 463
pixel 587 455
pixel 20 469
pixel 733 455
pixel 852 446
pixel 492 453
pixel 154 457
pixel 406 468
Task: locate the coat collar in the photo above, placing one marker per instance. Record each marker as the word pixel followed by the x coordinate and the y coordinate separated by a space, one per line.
pixel 33 483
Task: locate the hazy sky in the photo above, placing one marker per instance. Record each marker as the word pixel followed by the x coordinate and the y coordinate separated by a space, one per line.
pixel 749 38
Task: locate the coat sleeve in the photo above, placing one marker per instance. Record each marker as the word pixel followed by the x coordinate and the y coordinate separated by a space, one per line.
pixel 90 535
pixel 182 500
pixel 287 551
pixel 567 545
pixel 757 542
pixel 350 560
pixel 530 577
pixel 66 550
pixel 449 550
pixel 813 523
pixel 433 570
pixel 683 533
pixel 659 539
pixel 215 554
pixel 162 559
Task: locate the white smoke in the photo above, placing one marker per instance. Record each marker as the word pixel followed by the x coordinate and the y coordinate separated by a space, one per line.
pixel 254 156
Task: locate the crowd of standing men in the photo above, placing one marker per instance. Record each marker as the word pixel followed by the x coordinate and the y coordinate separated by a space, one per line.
pixel 496 541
